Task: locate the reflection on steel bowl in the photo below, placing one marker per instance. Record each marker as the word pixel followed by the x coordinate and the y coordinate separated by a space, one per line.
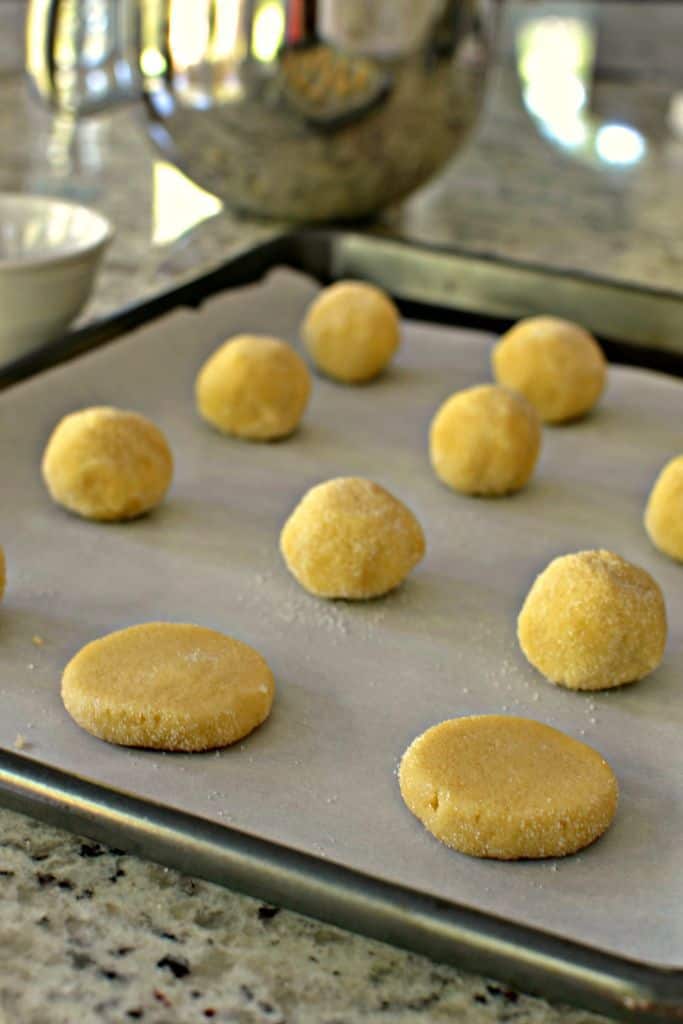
pixel 302 109
pixel 286 117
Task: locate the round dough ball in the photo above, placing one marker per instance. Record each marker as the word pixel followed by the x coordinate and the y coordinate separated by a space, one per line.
pixel 351 331
pixel 558 365
pixel 664 510
pixel 3 577
pixel 592 621
pixel 485 440
pixel 107 464
pixel 505 787
pixel 350 538
pixel 254 387
pixel 168 686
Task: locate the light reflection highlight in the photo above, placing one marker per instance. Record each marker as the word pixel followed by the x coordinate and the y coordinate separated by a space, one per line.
pixel 268 31
pixel 619 144
pixel 557 100
pixel 188 32
pixel 178 205
pixel 555 58
pixel 152 62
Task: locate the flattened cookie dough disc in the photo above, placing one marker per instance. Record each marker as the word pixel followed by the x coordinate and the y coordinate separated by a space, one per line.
pixel 107 464
pixel 592 621
pixel 350 538
pixel 168 686
pixel 507 788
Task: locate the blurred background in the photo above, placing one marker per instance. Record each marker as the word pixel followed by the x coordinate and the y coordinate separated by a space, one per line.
pixel 575 164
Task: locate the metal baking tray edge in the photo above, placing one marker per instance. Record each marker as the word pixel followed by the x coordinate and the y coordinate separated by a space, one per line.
pixel 528 958
pixel 639 326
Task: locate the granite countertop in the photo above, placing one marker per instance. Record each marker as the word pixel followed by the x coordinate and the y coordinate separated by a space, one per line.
pixel 95 934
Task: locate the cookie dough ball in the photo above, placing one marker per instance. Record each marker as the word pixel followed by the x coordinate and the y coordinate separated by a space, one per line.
pixel 351 331
pixel 558 365
pixel 592 621
pixel 168 686
pixel 3 577
pixel 107 464
pixel 254 387
pixel 505 787
pixel 350 538
pixel 664 510
pixel 485 440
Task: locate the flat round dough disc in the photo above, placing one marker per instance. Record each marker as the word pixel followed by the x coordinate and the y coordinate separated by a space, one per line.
pixel 507 788
pixel 168 686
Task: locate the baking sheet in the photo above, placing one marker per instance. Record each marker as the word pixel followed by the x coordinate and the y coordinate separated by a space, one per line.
pixel 356 682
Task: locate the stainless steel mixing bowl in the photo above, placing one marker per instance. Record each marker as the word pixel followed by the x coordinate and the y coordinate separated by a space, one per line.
pixel 299 109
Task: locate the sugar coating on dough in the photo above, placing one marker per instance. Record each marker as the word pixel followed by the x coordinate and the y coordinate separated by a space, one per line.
pixel 485 440
pixel 592 621
pixel 507 788
pixel 351 538
pixel 3 574
pixel 351 331
pixel 557 364
pixel 664 510
pixel 254 387
pixel 168 686
pixel 107 464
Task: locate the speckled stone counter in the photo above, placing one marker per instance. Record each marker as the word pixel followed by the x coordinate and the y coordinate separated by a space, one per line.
pixel 91 934
pixel 518 196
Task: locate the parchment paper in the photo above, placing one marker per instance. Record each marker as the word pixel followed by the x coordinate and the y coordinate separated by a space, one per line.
pixel 356 682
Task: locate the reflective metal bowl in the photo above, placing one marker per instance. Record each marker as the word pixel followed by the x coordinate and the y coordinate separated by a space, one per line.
pixel 309 109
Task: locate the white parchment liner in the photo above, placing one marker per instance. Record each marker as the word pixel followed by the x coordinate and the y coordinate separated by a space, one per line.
pixel 356 683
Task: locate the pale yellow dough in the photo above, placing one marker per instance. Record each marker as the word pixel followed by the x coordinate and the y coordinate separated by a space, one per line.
pixel 351 331
pixel 558 365
pixel 350 538
pixel 664 510
pixel 3 576
pixel 168 686
pixel 592 621
pixel 507 788
pixel 485 440
pixel 107 464
pixel 254 387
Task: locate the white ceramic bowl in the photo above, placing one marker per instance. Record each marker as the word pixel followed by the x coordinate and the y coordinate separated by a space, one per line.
pixel 50 250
